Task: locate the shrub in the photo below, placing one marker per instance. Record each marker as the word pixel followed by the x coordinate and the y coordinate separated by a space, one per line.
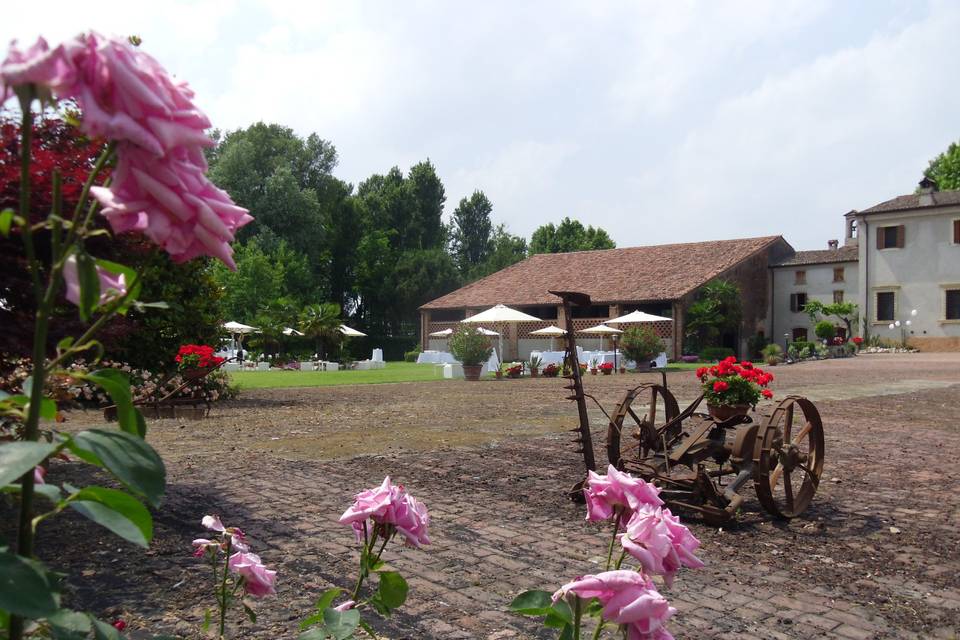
pixel 772 353
pixel 470 347
pixel 641 344
pixel 715 354
pixel 800 345
pixel 825 330
pixel 413 354
pixel 756 344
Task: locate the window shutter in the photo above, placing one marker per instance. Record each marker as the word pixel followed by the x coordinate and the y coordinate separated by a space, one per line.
pixel 956 231
pixel 793 302
pixel 900 236
pixel 880 234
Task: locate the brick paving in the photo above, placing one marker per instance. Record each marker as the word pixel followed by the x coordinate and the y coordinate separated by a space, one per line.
pixel 876 556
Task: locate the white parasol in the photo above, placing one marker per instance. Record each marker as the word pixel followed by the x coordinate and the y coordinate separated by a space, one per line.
pixel 501 314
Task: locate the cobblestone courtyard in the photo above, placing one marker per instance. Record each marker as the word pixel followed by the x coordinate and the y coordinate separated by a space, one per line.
pixel 877 555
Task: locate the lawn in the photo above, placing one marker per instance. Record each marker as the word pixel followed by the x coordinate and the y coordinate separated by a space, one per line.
pixel 393 372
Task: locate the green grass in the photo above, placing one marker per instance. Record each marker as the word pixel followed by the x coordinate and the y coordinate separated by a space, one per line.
pixel 393 372
pixel 685 366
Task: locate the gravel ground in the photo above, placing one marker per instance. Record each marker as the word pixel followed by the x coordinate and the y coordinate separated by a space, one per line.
pixel 877 555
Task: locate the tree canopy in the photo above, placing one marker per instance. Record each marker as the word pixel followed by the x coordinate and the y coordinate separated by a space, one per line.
pixel 569 235
pixel 945 168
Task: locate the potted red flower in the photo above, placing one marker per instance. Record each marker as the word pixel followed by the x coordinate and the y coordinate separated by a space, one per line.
pixel 515 371
pixel 196 360
pixel 551 371
pixel 606 368
pixel 731 388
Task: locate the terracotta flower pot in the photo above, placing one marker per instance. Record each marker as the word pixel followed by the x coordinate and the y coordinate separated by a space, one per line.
pixel 593 372
pixel 607 372
pixel 499 374
pixel 472 372
pixel 193 374
pixel 723 412
pixel 623 369
pixel 534 372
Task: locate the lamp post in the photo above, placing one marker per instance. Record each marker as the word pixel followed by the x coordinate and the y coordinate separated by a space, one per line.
pixel 903 327
pixel 786 346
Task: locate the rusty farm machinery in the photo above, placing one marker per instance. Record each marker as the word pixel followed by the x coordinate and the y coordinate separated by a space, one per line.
pixel 700 462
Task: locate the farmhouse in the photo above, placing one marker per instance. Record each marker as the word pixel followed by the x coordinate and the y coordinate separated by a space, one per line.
pixel 661 280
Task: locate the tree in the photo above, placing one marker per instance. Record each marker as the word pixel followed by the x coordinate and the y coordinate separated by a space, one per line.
pixel 257 280
pixel 427 230
pixel 570 235
pixel 945 168
pixel 716 311
pixel 846 312
pixel 322 323
pixel 508 249
pixel 471 242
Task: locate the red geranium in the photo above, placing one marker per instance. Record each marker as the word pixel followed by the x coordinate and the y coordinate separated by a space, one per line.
pixel 734 383
pixel 606 366
pixel 858 341
pixel 197 356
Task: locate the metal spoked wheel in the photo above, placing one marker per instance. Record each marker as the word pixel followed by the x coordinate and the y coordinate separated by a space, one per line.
pixel 631 431
pixel 788 457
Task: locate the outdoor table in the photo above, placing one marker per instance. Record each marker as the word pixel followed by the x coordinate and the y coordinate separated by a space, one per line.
pixel 436 357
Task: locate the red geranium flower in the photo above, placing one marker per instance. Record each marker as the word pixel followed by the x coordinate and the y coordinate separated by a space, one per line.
pixel 720 385
pixel 767 393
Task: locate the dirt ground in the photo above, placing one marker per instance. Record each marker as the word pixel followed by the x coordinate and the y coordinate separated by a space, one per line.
pixel 876 556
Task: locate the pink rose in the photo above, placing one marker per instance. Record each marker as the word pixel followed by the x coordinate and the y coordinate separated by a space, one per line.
pixel 390 505
pixel 213 523
pixel 346 606
pixel 238 541
pixel 660 543
pixel 628 598
pixel 617 491
pixel 258 581
pixel 202 545
pixel 111 284
pixel 38 475
pixel 159 186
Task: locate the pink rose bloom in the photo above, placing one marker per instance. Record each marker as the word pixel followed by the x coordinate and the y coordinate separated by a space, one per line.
pixel 620 491
pixel 213 523
pixel 346 606
pixel 238 541
pixel 111 284
pixel 656 538
pixel 159 187
pixel 390 505
pixel 628 597
pixel 202 545
pixel 258 581
pixel 38 474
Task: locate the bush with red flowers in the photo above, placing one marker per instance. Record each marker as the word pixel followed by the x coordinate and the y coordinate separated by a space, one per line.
pixel 733 383
pixel 857 340
pixel 196 356
pixel 551 370
pixel 606 368
pixel 515 371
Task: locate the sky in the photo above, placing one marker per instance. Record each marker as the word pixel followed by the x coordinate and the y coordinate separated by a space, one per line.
pixel 658 121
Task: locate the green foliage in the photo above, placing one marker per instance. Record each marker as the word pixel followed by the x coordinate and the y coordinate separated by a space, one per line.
pixel 715 354
pixel 471 232
pixel 715 311
pixel 846 312
pixel 799 346
pixel 413 354
pixel 756 344
pixel 569 235
pixel 945 169
pixel 321 322
pixel 640 344
pixel 772 353
pixel 470 347
pixel 507 249
pixel 825 330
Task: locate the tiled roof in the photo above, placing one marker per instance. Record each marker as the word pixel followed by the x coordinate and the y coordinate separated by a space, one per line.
pixel 912 201
pixel 821 256
pixel 635 274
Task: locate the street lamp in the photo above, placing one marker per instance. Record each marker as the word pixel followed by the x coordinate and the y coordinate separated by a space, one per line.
pixel 903 327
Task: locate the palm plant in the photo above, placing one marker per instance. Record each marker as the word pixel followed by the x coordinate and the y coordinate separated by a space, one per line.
pixel 322 323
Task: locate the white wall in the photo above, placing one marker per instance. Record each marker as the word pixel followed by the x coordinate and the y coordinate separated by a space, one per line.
pixel 819 286
pixel 916 273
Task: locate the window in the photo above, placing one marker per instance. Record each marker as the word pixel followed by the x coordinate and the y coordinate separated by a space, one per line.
pixel 800 277
pixel 800 333
pixel 952 304
pixel 797 302
pixel 956 231
pixel 886 306
pixel 890 237
pixel 837 297
pixel 838 274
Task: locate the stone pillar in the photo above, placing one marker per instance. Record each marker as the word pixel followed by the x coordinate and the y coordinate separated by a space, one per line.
pixel 424 329
pixel 513 341
pixel 677 329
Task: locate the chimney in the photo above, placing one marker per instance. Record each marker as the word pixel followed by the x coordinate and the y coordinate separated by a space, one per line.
pixel 833 244
pixel 927 187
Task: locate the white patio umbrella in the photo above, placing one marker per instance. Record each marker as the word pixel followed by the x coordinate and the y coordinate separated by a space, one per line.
pixel 290 331
pixel 351 333
pixel 602 330
pixel 501 314
pixel 237 330
pixel 443 333
pixel 486 332
pixel 637 316
pixel 551 331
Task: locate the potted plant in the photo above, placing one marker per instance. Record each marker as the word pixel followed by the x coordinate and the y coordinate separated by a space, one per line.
pixel 196 360
pixel 471 349
pixel 641 345
pixel 593 366
pixel 551 371
pixel 606 368
pixel 623 368
pixel 857 341
pixel 772 354
pixel 515 370
pixel 534 365
pixel 731 388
